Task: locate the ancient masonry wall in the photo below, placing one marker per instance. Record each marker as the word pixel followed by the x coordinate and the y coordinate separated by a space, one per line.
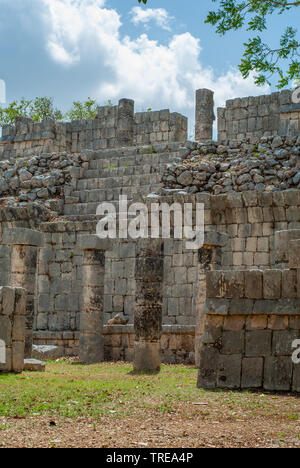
pixel 250 220
pixel 273 114
pixel 60 285
pixel 118 126
pixel 252 320
pixel 12 328
pixel 114 126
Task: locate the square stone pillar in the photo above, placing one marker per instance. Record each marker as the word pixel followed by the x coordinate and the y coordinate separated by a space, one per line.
pixel 148 307
pixel 12 328
pixel 125 122
pixel 24 251
pixel 204 115
pixel 91 341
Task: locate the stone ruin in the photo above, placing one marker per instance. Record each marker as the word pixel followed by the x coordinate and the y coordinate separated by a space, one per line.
pixel 232 307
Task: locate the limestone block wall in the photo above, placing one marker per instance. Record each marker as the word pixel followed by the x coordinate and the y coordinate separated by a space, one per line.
pixel 273 114
pixel 12 328
pixel 16 217
pixel 250 219
pixel 252 320
pixel 290 120
pixel 177 343
pixel 179 285
pixel 60 279
pixel 251 116
pixel 18 262
pixel 114 127
pixel 253 221
pixel 60 276
pixel 158 127
pixel 30 138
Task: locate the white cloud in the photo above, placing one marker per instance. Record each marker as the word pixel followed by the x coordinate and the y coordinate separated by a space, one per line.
pixel 144 15
pixel 61 55
pixel 2 92
pixel 153 74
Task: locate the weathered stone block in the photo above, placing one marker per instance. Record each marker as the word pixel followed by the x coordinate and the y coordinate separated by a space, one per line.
pixel 257 322
pixel 294 254
pixel 254 284
pixel 241 306
pixel 229 371
pixel 208 367
pixel 22 236
pixel 215 284
pixel 258 343
pixel 233 342
pixel 289 283
pixel 234 323
pixel 282 342
pixel 234 284
pixel 217 306
pixel 252 372
pixel 272 284
pixel 278 373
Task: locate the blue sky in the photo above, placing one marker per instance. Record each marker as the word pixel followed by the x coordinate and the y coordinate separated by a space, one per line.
pixel 109 49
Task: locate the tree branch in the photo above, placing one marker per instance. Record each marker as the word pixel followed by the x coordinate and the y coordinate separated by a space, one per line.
pixel 282 4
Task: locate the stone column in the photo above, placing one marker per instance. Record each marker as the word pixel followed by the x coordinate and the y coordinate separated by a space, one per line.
pixel 12 328
pixel 125 122
pixel 204 115
pixel 91 341
pixel 209 257
pixel 148 307
pixel 24 252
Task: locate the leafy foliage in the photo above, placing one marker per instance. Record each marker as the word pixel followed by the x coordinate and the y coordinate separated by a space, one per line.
pixel 41 108
pixel 82 110
pixel 258 56
pixel 37 109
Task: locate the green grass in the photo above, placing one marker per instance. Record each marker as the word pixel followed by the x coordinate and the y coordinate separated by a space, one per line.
pixel 74 390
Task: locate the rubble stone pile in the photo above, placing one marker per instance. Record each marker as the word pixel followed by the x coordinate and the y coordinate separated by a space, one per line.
pixel 265 164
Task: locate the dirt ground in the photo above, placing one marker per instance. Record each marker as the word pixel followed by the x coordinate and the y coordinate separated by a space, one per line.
pixel 140 411
pixel 165 431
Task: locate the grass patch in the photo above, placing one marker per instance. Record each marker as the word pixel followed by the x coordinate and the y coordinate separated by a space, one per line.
pixel 79 390
pixel 73 390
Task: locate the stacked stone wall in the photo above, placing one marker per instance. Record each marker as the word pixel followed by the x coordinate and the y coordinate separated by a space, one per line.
pixel 177 343
pixel 250 220
pixel 272 114
pixel 252 320
pixel 114 127
pixel 158 127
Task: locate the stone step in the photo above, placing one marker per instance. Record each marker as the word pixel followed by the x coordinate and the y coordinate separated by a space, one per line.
pixel 98 195
pixel 34 365
pixel 86 202
pixel 81 209
pixel 133 160
pixel 141 151
pixel 122 171
pixel 109 182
